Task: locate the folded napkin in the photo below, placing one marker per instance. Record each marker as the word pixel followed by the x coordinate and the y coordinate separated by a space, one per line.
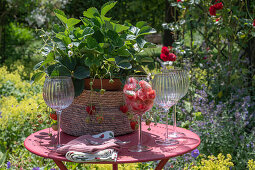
pixel 90 144
pixel 104 155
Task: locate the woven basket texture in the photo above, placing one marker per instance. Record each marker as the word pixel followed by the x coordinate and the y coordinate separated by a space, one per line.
pixel 74 119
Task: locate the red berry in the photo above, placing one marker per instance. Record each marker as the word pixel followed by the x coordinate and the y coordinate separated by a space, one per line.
pixel 54 116
pixel 141 94
pixel 134 125
pixel 151 94
pixel 124 108
pixel 145 85
pixel 91 109
pixel 101 136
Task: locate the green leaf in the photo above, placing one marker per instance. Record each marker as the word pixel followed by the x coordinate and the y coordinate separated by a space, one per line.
pixel 118 42
pixel 60 70
pixel 68 62
pixel 130 37
pixel 2 158
pixel 91 13
pixel 123 52
pixel 146 30
pixel 141 42
pixel 38 65
pixel 87 31
pixel 50 69
pixel 57 28
pixel 61 15
pixel 67 40
pixel 116 27
pixel 91 42
pixel 134 30
pixel 107 6
pixel 36 77
pixel 146 60
pixel 141 24
pixel 92 60
pixel 78 86
pixel 49 58
pixel 72 21
pixel 119 27
pixel 123 62
pixel 81 72
pixel 60 35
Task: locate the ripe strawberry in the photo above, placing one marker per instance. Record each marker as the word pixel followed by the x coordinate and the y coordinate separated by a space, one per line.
pixel 129 87
pixel 124 108
pixel 134 125
pixel 141 94
pixel 132 80
pixel 145 86
pixel 101 136
pixel 91 109
pixel 54 116
pixel 131 95
pixel 151 94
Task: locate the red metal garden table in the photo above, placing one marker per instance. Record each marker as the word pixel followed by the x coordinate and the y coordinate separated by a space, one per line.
pixel 39 142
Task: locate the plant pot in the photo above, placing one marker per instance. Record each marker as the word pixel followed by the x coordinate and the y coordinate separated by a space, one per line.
pixel 115 86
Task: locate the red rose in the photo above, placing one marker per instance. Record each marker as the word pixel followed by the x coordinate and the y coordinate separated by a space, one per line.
pixel 254 22
pixel 172 57
pixel 163 57
pixel 218 6
pixel 179 0
pixel 165 50
pixel 212 10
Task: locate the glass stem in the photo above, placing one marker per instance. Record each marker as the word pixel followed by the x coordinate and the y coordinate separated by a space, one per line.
pixel 174 117
pixel 59 118
pixel 140 131
pixel 166 136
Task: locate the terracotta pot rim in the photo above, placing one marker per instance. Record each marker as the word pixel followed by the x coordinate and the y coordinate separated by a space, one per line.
pixel 115 86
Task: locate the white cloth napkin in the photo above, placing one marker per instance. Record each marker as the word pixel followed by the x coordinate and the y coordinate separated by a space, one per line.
pixel 108 154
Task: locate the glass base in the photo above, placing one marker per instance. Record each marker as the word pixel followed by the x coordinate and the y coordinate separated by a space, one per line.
pixel 139 148
pixel 176 135
pixel 167 142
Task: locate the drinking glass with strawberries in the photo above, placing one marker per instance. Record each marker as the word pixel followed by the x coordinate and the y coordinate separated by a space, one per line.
pixel 139 97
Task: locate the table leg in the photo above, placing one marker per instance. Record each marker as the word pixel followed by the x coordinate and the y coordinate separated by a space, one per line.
pixel 161 164
pixel 60 164
pixel 114 166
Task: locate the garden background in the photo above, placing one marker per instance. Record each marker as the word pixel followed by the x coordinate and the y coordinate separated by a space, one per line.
pixel 213 39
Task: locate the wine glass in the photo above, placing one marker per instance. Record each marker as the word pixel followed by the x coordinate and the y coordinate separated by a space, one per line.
pixel 166 87
pixel 58 94
pixel 139 97
pixel 182 85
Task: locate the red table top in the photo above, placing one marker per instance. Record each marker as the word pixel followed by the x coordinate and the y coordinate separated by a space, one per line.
pixel 39 142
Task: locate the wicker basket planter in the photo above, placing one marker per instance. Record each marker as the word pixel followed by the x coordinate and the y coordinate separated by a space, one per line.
pixel 76 121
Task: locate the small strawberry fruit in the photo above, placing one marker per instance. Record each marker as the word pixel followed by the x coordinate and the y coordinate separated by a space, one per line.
pixel 100 119
pixel 134 125
pixel 148 122
pixel 54 127
pixel 91 109
pixel 54 116
pixel 101 136
pixel 145 86
pixel 124 108
pixel 151 94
